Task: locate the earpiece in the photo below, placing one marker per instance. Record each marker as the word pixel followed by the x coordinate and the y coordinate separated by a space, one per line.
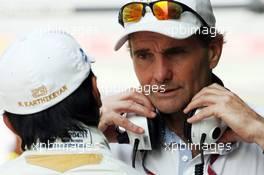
pixel 151 137
pixel 212 127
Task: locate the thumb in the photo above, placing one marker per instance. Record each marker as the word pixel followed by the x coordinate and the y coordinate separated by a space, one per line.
pixel 229 136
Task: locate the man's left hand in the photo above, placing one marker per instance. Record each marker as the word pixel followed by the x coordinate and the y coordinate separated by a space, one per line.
pixel 217 101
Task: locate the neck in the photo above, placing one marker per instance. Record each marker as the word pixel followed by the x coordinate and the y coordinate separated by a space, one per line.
pixel 175 122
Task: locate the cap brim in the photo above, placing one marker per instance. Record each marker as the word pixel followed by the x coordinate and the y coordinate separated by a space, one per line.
pixel 171 28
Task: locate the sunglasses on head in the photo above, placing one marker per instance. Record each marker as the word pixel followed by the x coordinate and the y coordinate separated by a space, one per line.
pixel 162 10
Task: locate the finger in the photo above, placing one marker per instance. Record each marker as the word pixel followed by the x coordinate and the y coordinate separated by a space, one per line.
pixel 229 136
pixel 130 106
pixel 118 120
pixel 208 91
pixel 202 114
pixel 139 98
pixel 103 125
pixel 213 89
pixel 223 89
pixel 218 86
pixel 125 123
pixel 201 102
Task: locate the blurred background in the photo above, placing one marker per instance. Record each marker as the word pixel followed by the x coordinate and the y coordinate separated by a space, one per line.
pixel 94 24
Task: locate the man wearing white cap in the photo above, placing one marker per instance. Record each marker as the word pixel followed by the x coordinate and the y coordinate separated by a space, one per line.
pixel 50 100
pixel 174 44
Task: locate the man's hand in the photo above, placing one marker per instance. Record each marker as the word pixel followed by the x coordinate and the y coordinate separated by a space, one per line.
pixel 125 102
pixel 217 101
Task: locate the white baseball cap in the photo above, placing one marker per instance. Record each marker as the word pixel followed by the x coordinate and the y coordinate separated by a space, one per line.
pixel 40 70
pixel 184 27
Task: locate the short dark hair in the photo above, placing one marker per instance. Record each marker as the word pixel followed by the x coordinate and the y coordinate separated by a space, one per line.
pixel 78 109
pixel 207 39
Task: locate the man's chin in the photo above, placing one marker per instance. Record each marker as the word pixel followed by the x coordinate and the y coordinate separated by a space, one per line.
pixel 169 105
pixel 168 109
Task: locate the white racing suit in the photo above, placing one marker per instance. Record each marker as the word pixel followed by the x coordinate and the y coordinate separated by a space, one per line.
pixel 86 154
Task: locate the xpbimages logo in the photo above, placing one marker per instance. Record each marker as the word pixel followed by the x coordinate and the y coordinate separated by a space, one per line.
pixel 148 89
pixel 182 30
pixel 145 89
pixel 212 148
pixel 69 146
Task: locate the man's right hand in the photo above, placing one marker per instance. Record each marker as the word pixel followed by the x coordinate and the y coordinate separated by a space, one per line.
pixel 126 102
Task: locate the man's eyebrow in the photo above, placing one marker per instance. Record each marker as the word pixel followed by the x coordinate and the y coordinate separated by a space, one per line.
pixel 174 50
pixel 138 51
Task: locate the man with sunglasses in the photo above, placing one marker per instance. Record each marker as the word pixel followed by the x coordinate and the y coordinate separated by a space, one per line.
pixel 172 43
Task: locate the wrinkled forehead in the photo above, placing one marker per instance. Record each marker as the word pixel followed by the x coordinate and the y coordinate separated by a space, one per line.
pixel 146 35
pixel 143 39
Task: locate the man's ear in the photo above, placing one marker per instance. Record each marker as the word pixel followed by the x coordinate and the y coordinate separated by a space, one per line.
pixel 215 52
pixel 18 149
pixel 96 92
pixel 8 124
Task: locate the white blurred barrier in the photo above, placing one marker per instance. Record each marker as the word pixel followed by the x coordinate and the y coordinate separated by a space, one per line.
pixel 60 7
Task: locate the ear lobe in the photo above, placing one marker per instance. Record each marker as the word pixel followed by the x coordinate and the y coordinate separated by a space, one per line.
pixel 214 53
pixel 96 92
pixel 18 149
pixel 8 124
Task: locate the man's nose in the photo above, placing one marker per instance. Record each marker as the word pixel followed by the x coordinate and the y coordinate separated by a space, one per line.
pixel 162 70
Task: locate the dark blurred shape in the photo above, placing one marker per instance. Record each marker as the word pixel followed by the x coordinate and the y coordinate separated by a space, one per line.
pixel 257 6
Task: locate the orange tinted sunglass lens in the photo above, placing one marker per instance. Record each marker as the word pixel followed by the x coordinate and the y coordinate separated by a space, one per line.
pixel 132 12
pixel 167 10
